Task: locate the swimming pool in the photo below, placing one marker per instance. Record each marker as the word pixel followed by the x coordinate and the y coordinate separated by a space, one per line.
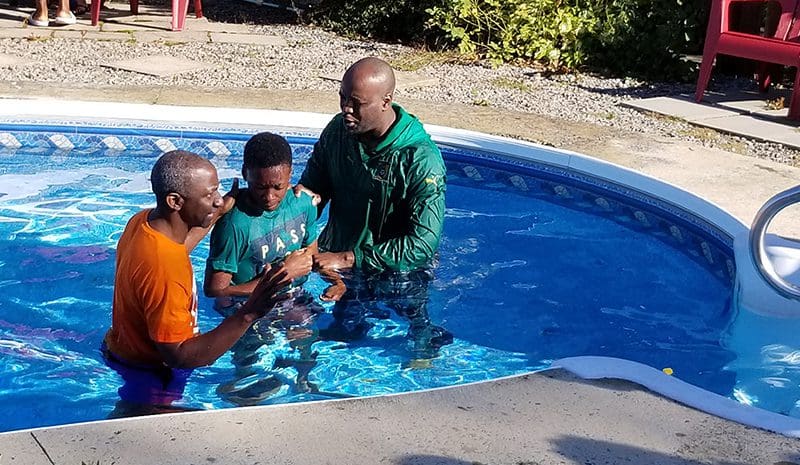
pixel 538 263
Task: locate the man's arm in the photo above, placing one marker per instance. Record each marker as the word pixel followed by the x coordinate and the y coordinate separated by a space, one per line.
pixel 206 348
pixel 315 180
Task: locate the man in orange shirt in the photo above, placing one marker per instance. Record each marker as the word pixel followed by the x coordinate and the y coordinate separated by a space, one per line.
pixel 154 341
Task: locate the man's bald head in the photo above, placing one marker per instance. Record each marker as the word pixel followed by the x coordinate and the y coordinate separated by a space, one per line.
pixel 374 71
pixel 365 98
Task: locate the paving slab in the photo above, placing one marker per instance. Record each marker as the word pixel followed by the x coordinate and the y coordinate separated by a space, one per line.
pixel 131 26
pixel 25 447
pixel 747 118
pixel 680 106
pixel 81 25
pixel 171 37
pixel 740 95
pixel 761 108
pixel 11 21
pixel 67 34
pixel 755 128
pixel 754 103
pixel 252 39
pixel 128 17
pixel 202 24
pixel 403 79
pixel 548 418
pixel 26 33
pixel 7 61
pixel 158 65
pixel 105 36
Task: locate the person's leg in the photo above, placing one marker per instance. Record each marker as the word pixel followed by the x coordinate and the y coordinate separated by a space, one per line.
pixel 146 390
pixel 302 335
pixel 407 294
pixel 350 313
pixel 349 322
pixel 244 353
pixel 41 11
pixel 63 12
pixel 248 386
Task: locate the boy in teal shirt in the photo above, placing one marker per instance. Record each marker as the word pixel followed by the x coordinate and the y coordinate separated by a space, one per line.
pixel 266 226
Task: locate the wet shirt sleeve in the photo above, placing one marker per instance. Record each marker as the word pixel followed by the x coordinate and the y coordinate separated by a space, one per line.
pixel 226 246
pixel 312 223
pixel 426 197
pixel 316 175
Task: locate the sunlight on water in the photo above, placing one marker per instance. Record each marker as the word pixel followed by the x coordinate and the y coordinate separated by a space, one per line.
pixel 522 280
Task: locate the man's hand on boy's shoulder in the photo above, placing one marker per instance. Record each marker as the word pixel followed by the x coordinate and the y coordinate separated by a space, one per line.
pixel 300 189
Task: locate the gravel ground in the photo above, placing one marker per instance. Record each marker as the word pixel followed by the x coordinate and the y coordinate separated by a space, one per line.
pixel 313 52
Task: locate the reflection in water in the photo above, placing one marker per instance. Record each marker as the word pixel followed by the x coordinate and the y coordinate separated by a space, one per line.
pixel 372 296
pixel 292 320
pixel 368 297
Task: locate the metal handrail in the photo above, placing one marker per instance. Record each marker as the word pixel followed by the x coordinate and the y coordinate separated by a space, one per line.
pixel 756 240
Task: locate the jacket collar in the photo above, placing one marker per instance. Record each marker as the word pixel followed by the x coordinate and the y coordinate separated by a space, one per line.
pixel 397 130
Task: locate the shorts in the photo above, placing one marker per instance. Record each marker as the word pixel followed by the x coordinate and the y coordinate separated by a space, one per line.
pixel 147 385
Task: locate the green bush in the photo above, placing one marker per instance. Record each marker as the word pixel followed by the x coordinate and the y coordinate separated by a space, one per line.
pixel 392 20
pixel 648 37
pixel 631 37
pixel 627 37
pixel 503 30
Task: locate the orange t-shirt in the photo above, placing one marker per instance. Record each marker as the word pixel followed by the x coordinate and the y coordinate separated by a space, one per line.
pixel 155 295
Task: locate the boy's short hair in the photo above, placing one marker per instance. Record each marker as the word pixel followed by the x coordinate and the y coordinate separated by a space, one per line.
pixel 265 150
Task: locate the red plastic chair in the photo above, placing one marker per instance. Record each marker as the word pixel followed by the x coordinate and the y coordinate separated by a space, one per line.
pixel 782 48
pixel 179 10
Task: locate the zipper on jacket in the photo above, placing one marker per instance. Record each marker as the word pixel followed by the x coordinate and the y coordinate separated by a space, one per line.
pixel 385 194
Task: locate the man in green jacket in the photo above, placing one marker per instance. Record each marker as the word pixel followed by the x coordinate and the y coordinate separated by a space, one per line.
pixel 385 181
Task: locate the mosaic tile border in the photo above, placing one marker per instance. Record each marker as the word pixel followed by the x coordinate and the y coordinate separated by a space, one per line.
pixel 133 140
pixel 678 229
pixel 700 240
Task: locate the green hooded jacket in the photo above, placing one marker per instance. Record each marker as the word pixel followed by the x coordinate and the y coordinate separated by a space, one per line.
pixel 387 206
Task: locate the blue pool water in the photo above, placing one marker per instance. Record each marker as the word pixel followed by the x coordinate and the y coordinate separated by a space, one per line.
pixel 535 265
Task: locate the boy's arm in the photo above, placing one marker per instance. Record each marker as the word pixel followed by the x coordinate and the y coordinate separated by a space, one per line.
pixel 218 284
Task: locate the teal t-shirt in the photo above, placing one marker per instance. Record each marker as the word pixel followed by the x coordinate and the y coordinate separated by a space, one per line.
pixel 243 242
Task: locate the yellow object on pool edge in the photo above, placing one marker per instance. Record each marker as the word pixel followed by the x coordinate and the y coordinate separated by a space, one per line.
pixel 668 371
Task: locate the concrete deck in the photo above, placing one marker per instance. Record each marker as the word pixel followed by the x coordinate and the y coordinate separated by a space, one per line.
pixel 535 419
pixel 747 114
